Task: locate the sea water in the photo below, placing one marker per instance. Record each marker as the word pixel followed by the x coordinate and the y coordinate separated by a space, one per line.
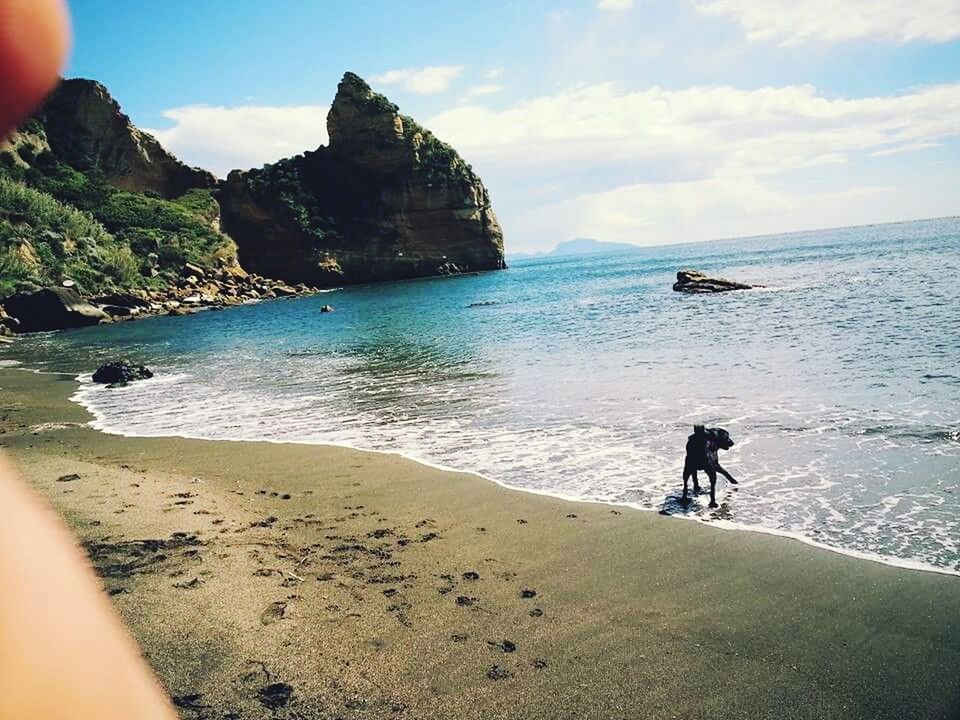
pixel 582 376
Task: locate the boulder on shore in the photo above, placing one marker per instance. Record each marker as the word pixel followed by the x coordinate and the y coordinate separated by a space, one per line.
pixel 120 372
pixel 694 281
pixel 54 308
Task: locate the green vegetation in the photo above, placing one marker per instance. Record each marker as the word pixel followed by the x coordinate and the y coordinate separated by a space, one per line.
pixel 281 184
pixel 43 241
pixel 57 222
pixel 438 161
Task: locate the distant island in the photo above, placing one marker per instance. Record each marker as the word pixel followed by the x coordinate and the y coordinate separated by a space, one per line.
pixel 579 246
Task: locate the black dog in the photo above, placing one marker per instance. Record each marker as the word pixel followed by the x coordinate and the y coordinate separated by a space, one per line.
pixel 702 449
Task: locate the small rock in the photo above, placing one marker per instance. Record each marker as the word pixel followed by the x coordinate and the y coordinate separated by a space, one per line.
pixel 527 593
pixel 694 281
pixel 120 371
pixel 326 308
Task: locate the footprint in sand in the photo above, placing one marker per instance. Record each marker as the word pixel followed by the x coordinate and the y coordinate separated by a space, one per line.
pixel 505 646
pixel 275 611
pixel 498 673
pixel 275 695
pixel 527 593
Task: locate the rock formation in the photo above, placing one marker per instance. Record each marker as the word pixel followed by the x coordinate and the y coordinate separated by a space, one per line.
pixel 120 372
pixel 86 129
pixel 51 309
pixel 385 200
pixel 694 281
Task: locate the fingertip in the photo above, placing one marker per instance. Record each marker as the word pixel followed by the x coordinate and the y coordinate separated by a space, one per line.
pixel 34 42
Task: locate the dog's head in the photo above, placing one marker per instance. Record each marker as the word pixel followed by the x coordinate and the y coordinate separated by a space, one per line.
pixel 720 437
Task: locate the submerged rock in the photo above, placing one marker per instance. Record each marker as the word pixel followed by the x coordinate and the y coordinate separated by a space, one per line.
pixel 694 281
pixel 119 372
pixel 55 308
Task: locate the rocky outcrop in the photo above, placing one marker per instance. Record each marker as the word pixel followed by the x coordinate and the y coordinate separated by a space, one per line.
pixel 51 309
pixel 385 200
pixel 86 129
pixel 694 281
pixel 120 372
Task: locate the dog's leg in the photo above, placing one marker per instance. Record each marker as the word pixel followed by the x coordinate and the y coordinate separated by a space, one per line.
pixel 686 478
pixel 713 487
pixel 727 475
pixel 696 483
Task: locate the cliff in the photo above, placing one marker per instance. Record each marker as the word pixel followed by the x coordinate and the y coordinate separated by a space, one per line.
pixel 90 202
pixel 385 200
pixel 86 129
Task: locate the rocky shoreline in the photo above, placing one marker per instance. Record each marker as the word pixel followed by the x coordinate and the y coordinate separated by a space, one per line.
pixel 196 289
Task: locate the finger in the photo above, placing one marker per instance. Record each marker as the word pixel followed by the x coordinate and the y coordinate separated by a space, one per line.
pixel 34 41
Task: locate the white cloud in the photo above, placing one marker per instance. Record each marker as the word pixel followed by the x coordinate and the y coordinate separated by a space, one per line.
pixel 423 81
pixel 702 130
pixel 221 139
pixel 907 148
pixel 794 22
pixel 479 90
pixel 493 74
pixel 652 165
pixel 661 165
pixel 615 4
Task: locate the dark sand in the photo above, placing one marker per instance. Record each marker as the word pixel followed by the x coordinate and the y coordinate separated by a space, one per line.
pixel 294 581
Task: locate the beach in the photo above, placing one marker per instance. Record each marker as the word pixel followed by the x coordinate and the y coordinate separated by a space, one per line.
pixel 292 580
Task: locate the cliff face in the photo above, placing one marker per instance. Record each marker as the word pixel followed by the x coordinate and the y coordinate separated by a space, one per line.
pixel 86 129
pixel 90 201
pixel 385 200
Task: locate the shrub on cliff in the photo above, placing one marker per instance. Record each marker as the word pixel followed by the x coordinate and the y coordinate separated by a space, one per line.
pixel 106 232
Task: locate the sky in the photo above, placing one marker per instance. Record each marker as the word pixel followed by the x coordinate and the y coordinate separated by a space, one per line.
pixel 641 121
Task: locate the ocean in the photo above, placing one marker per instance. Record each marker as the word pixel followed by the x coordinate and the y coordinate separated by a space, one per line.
pixel 582 376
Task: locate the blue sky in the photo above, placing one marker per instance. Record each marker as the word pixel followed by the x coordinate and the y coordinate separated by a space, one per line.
pixel 645 121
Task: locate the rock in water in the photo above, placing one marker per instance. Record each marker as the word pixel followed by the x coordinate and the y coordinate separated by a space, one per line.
pixel 694 281
pixel 326 308
pixel 385 200
pixel 119 372
pixel 54 308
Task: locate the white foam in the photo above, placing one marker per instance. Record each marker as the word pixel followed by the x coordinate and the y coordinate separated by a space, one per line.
pixel 88 394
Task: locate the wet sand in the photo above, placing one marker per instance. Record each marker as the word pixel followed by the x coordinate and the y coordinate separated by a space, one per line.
pixel 293 581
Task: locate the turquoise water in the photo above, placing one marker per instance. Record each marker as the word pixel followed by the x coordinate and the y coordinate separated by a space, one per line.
pixel 581 377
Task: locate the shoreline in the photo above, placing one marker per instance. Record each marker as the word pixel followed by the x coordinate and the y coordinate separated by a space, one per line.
pixel 351 578
pixel 98 423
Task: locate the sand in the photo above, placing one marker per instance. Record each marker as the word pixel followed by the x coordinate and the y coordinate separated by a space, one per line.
pixel 293 581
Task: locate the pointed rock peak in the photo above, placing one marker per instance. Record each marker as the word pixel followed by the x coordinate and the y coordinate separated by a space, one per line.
pixel 361 117
pixel 87 129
